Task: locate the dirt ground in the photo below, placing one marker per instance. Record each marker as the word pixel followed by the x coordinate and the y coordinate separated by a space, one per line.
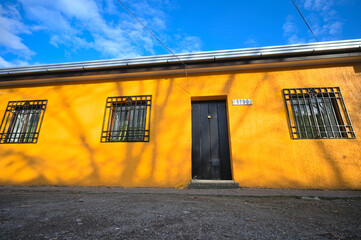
pixel 94 215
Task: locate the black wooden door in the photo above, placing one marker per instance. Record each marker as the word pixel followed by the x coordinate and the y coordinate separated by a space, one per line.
pixel 210 147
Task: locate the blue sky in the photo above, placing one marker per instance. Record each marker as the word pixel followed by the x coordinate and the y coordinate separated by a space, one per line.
pixel 36 32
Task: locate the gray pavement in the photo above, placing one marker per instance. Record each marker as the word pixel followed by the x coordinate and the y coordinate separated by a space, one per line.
pixel 56 212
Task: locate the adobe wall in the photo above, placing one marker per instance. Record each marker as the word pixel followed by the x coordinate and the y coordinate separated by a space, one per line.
pixel 263 154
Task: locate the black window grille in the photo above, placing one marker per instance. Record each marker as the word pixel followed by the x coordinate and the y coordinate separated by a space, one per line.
pixel 22 121
pixel 316 113
pixel 127 119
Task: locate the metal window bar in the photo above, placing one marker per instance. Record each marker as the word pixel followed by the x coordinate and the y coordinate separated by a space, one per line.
pixel 349 129
pixel 342 127
pixel 333 112
pixel 328 113
pixel 22 121
pixel 323 126
pixel 315 113
pixel 306 117
pixel 125 119
pixel 294 110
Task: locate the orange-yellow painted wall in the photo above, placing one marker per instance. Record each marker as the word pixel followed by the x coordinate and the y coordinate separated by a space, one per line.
pixel 69 151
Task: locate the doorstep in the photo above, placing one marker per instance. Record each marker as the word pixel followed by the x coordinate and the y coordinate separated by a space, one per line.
pixel 212 184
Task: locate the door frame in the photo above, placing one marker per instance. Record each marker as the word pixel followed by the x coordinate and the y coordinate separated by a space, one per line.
pixel 213 98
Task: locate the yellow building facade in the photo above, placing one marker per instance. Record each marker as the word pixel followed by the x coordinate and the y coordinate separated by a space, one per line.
pixel 263 152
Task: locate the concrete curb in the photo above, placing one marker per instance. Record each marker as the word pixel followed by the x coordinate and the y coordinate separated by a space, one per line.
pixel 242 192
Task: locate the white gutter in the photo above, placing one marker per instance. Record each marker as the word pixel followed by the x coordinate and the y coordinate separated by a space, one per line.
pixel 276 51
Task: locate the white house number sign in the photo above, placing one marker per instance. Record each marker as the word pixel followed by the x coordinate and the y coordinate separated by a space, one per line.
pixel 242 101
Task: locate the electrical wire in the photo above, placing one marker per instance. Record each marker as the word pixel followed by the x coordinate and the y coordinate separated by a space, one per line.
pixel 184 65
pixel 304 19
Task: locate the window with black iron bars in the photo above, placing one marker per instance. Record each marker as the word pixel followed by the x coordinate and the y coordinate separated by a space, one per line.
pixel 127 119
pixel 316 113
pixel 22 121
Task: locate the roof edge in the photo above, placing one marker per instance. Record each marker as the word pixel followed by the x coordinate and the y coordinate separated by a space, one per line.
pixel 307 49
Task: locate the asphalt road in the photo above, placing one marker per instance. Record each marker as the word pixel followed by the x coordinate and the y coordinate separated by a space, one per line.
pixel 26 214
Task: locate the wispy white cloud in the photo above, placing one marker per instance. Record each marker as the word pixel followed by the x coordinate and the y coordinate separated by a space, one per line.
pixel 323 18
pixel 250 42
pixel 14 63
pixel 100 25
pixel 335 28
pixel 4 63
pixel 189 44
pixel 291 31
pixel 10 28
pixel 316 5
pixel 79 24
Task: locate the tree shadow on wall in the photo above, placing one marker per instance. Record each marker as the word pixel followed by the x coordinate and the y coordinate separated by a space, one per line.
pixel 357 68
pixel 329 158
pixel 79 134
pixel 17 167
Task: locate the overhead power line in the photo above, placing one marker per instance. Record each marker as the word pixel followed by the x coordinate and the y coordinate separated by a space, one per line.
pixel 150 31
pixel 184 65
pixel 304 19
